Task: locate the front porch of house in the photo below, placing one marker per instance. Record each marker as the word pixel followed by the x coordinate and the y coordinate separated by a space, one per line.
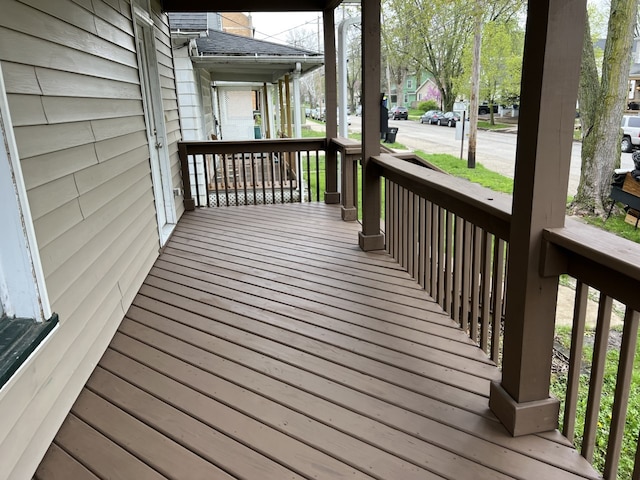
pixel 265 344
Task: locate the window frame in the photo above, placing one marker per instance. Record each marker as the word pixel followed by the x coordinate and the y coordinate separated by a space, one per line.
pixel 23 291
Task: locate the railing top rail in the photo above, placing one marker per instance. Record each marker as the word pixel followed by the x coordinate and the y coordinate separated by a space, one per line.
pixel 487 209
pixel 254 146
pixel 598 258
pixel 348 145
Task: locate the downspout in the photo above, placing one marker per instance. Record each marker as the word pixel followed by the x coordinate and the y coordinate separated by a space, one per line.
pixel 297 118
pixel 342 76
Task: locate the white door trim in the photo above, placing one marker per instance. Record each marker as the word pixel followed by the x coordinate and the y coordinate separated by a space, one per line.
pixel 154 120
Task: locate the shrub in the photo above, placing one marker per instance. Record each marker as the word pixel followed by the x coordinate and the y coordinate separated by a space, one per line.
pixel 428 105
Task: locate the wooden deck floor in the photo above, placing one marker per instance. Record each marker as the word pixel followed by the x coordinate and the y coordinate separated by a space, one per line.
pixel 265 345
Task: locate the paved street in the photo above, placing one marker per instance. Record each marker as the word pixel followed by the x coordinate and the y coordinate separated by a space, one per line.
pixel 496 150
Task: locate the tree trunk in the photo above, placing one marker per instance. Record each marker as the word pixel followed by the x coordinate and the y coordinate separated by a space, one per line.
pixel 475 88
pixel 601 105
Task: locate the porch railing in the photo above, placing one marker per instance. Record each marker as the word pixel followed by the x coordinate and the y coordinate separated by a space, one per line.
pixel 225 173
pixel 606 272
pixel 452 237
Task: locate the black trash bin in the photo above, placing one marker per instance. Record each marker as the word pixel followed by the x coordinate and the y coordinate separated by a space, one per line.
pixel 390 137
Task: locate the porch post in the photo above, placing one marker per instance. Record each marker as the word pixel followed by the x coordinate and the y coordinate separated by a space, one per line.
pixel 550 74
pixel 331 194
pixel 370 238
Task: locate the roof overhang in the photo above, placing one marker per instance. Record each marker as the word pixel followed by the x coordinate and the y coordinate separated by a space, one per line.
pixel 251 5
pixel 261 69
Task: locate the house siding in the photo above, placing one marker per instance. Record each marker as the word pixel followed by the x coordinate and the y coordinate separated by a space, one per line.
pixel 70 69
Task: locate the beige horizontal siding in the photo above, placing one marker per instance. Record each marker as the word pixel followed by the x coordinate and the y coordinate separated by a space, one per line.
pixel 60 57
pixel 68 109
pixel 20 78
pixel 42 169
pixel 72 80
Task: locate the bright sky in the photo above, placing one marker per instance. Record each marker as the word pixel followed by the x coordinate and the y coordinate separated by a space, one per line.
pixel 275 26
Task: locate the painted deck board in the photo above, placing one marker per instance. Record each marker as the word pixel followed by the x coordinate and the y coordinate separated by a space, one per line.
pixel 264 345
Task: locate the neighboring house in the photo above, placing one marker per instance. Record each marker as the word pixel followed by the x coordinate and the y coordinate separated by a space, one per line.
pixel 409 89
pixel 90 154
pixel 237 23
pixel 224 79
pixel 428 90
pixel 633 98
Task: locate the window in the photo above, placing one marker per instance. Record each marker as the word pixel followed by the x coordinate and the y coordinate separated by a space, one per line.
pixel 25 314
pixel 410 84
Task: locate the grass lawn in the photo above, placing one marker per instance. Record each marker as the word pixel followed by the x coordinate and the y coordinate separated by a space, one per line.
pixel 630 438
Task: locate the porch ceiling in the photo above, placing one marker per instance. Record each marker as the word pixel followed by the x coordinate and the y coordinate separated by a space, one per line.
pixel 250 5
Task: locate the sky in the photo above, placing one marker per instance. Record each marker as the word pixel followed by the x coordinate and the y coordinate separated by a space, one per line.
pixel 274 26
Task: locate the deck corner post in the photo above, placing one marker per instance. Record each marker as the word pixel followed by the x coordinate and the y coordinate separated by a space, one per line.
pixel 371 238
pixel 189 204
pixel 189 201
pixel 550 76
pixel 348 214
pixel 331 198
pixel 348 209
pixel 331 195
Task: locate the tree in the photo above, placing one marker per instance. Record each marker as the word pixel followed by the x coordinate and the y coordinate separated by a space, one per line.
pixel 396 52
pixel 601 103
pixel 436 32
pixel 354 66
pixel 501 66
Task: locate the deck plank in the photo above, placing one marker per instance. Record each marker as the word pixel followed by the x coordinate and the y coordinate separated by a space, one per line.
pixel 265 345
pixel 152 447
pixel 59 465
pixel 450 349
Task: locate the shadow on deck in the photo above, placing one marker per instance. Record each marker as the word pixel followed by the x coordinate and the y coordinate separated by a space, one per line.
pixel 265 345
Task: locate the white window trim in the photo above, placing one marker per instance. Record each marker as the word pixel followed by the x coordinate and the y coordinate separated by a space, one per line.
pixel 23 291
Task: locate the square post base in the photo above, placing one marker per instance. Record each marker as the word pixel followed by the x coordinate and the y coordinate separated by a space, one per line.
pixel 331 198
pixel 370 242
pixel 523 418
pixel 189 204
pixel 349 214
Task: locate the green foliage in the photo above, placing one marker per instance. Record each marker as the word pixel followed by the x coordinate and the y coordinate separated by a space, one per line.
pixel 480 174
pixel 489 126
pixel 616 224
pixel 428 105
pixel 436 32
pixel 632 426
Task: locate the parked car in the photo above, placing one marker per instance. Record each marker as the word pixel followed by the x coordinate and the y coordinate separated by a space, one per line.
pixel 399 113
pixel 449 119
pixel 630 132
pixel 429 115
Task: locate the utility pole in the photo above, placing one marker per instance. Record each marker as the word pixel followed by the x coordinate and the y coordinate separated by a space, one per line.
pixel 475 86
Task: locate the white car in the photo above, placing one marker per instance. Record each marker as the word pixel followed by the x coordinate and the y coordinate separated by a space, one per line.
pixel 630 132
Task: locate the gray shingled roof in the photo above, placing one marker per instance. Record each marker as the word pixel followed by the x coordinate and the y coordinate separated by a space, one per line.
pixel 194 21
pixel 222 43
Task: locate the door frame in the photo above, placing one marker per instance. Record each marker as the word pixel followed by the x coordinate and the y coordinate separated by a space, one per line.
pixel 154 116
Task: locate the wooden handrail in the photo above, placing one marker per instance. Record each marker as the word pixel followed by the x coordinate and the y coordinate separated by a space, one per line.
pixel 487 209
pixel 598 258
pixel 254 146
